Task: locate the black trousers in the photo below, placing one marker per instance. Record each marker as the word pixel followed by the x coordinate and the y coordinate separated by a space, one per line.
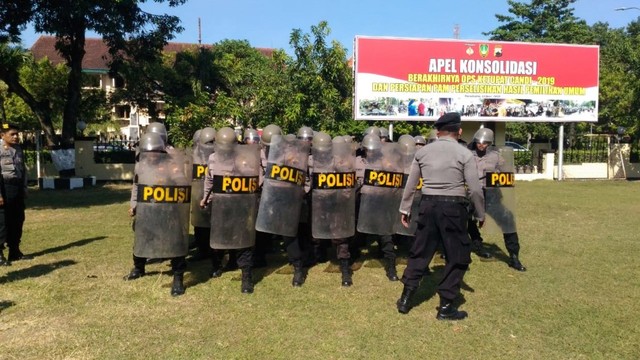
pixel 511 240
pixel 445 222
pixel 178 264
pixel 12 215
pixel 244 257
pixel 300 249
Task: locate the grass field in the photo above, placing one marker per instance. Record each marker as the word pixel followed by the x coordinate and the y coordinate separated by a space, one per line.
pixel 578 299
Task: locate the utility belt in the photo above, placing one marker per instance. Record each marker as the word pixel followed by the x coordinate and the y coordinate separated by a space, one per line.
pixel 446 198
pixel 13 181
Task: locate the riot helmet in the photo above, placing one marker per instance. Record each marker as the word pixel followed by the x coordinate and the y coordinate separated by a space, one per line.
pixel 305 133
pixel 371 142
pixel 384 134
pixel 151 142
pixel 420 140
pixel 196 136
pixel 322 141
pixel 371 130
pixel 407 144
pixel 268 132
pixel 225 138
pixel 158 128
pixel 207 135
pixel 483 135
pixel 433 136
pixel 251 136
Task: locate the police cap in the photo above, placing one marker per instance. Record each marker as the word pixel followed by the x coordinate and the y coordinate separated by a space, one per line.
pixel 9 126
pixel 449 122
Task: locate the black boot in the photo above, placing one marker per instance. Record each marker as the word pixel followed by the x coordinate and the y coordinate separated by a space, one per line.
pixel 448 312
pixel 135 273
pixel 16 254
pixel 247 281
pixel 390 269
pixel 515 263
pixel 404 303
pixel 299 276
pixel 3 260
pixel 216 266
pixel 476 246
pixel 346 271
pixel 177 288
pixel 232 263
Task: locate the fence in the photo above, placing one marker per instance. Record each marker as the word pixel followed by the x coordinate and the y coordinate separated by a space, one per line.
pixel 587 150
pixel 114 151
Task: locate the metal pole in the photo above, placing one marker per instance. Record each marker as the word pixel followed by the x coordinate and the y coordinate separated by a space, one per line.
pixel 560 151
pixel 391 132
pixel 38 175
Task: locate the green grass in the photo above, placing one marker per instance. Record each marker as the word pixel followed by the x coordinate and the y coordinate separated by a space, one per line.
pixel 578 299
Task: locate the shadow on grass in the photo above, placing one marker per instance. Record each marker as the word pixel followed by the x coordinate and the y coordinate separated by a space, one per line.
pixel 67 246
pixel 497 252
pixel 5 304
pixel 429 286
pixel 77 198
pixel 35 271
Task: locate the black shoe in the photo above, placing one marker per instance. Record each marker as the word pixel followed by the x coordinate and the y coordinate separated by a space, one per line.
pixel 515 263
pixel 177 288
pixel 299 277
pixel 346 271
pixel 404 303
pixel 18 255
pixel 215 273
pixel 390 270
pixel 448 312
pixel 247 281
pixel 134 274
pixel 477 248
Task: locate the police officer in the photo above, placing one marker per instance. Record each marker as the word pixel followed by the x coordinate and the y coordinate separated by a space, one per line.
pixel 446 168
pixel 13 191
pixel 221 164
pixel 420 141
pixel 155 167
pixel 384 135
pixel 264 240
pixel 251 137
pixel 385 242
pixel 203 147
pixel 488 159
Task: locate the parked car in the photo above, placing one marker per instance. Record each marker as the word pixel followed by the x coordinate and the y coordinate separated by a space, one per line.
pixel 515 146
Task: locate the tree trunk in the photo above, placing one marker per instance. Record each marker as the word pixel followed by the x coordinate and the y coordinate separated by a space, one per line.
pixel 74 55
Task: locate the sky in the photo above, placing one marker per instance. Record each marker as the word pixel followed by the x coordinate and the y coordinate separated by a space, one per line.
pixel 268 24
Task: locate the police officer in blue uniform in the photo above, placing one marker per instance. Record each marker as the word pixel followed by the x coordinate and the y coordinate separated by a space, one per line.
pixel 13 191
pixel 446 168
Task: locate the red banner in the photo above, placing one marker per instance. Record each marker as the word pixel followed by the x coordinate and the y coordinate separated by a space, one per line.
pixel 418 79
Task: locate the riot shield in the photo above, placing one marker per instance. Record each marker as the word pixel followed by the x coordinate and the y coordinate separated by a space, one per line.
pixel 407 160
pixel 500 204
pixel 283 187
pixel 234 197
pixel 162 211
pixel 199 217
pixel 381 192
pixel 333 192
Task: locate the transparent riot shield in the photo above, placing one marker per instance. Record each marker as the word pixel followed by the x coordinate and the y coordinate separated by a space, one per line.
pixel 333 192
pixel 199 217
pixel 407 160
pixel 234 197
pixel 162 211
pixel 381 192
pixel 283 187
pixel 500 204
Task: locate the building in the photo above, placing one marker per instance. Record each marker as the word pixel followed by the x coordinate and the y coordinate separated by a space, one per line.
pixel 130 118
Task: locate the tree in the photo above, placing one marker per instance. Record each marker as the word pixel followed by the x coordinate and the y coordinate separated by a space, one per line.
pixel 128 31
pixel 543 21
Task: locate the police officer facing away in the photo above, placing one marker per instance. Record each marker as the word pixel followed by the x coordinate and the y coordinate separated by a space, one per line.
pixel 445 167
pixel 488 159
pixel 13 191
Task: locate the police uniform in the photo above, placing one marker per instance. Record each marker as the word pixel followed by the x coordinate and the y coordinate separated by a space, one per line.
pixel 13 190
pixel 263 240
pixel 491 161
pixel 446 168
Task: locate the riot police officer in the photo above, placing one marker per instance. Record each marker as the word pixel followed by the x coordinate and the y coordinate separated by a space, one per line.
pixel 489 160
pixel 378 199
pixel 160 201
pixel 251 137
pixel 420 141
pixel 445 168
pixel 13 191
pixel 231 187
pixel 200 219
pixel 384 135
